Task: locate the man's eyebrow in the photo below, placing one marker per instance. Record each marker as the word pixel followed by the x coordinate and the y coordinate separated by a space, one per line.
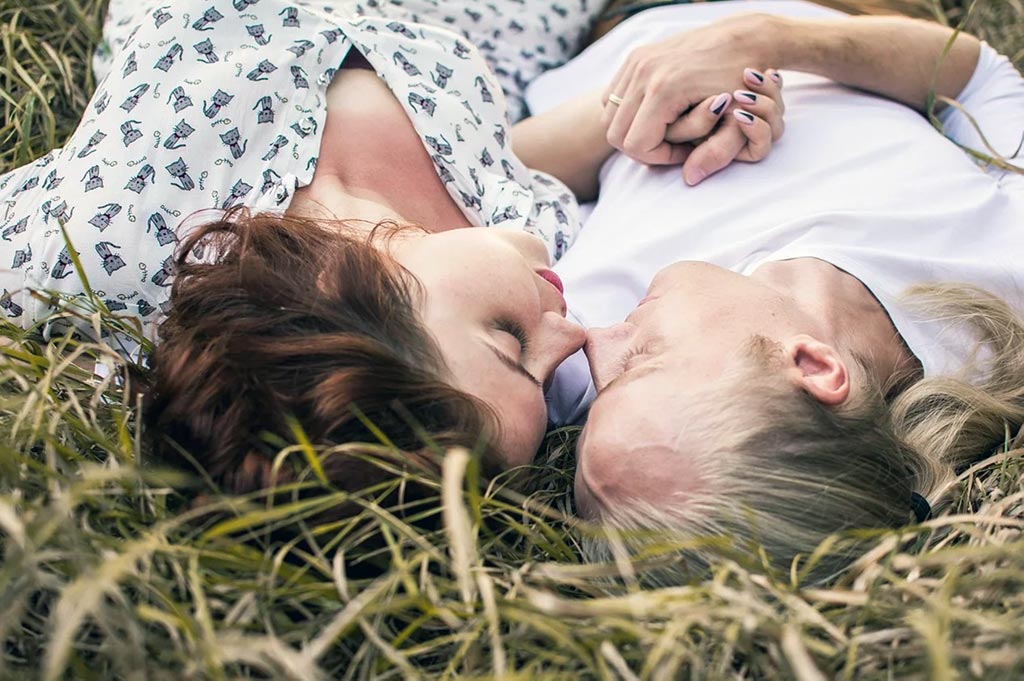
pixel 514 365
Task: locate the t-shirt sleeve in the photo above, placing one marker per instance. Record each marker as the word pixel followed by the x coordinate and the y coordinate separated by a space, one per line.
pixel 994 99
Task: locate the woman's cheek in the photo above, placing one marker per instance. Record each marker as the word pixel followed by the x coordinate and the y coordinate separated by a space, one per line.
pixel 526 428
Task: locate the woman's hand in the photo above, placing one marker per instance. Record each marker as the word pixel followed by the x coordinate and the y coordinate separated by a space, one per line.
pixel 748 122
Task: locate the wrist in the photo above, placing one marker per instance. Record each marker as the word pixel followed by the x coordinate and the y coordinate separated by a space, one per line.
pixel 769 39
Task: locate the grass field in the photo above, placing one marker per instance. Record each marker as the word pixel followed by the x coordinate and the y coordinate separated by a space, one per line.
pixel 109 572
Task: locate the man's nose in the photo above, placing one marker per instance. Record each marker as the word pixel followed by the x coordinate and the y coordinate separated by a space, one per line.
pixel 606 350
pixel 560 339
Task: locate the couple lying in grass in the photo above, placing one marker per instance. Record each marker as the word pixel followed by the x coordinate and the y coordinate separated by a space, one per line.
pixel 810 343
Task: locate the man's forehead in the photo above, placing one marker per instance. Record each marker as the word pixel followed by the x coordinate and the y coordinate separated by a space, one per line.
pixel 638 461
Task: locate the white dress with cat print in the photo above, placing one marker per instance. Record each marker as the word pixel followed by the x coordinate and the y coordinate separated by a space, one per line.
pixel 520 39
pixel 217 103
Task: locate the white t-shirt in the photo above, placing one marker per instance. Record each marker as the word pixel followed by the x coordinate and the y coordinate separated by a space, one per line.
pixel 858 181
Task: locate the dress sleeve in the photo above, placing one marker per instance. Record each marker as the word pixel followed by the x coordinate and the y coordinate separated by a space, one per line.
pixel 994 98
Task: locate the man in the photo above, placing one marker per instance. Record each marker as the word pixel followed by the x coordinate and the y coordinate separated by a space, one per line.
pixel 747 391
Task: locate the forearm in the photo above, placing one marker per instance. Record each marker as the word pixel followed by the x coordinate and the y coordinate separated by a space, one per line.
pixel 895 57
pixel 568 142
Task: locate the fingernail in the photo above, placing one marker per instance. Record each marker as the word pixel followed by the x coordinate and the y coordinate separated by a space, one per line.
pixel 720 102
pixel 753 76
pixel 746 96
pixel 695 176
pixel 774 75
pixel 743 117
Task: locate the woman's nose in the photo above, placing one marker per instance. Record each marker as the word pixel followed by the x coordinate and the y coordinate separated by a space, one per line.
pixel 606 350
pixel 560 339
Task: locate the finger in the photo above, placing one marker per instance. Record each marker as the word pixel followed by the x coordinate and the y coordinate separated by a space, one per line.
pixel 622 117
pixel 715 153
pixel 762 107
pixel 618 87
pixel 645 140
pixel 758 135
pixel 768 84
pixel 608 110
pixel 700 121
pixel 671 154
pixel 623 76
pixel 664 154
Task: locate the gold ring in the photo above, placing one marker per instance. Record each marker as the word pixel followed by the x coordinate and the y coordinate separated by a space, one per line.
pixel 615 99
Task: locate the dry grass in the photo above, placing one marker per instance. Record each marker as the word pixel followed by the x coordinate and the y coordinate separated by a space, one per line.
pixel 108 573
pixel 45 73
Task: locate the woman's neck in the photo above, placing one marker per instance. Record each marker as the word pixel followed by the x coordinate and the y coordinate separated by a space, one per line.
pixel 327 198
pixel 372 163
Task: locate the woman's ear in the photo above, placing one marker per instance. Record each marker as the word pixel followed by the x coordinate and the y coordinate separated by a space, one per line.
pixel 818 369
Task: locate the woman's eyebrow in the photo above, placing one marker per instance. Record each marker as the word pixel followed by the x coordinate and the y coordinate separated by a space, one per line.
pixel 514 365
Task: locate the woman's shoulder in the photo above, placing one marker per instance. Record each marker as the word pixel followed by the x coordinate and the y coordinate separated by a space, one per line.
pixel 202 110
pixel 211 100
pixel 519 39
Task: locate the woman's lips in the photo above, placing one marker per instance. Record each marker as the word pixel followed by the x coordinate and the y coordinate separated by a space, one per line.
pixel 553 279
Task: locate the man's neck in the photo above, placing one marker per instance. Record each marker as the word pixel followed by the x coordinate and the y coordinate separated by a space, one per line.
pixel 849 315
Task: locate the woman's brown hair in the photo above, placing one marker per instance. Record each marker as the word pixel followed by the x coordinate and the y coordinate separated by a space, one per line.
pixel 275 318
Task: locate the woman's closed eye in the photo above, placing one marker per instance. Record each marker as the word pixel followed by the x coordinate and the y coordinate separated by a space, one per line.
pixel 514 361
pixel 515 329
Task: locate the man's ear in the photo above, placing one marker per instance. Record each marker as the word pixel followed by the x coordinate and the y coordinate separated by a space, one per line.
pixel 817 368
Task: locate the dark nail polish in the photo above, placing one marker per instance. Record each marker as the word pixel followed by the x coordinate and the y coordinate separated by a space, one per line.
pixel 744 116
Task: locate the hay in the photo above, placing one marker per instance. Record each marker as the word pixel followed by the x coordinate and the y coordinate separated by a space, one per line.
pixel 109 573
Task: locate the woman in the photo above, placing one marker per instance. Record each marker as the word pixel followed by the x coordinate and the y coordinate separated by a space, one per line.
pixel 340 327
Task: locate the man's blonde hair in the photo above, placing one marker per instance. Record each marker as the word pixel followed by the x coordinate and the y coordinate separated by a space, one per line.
pixel 786 472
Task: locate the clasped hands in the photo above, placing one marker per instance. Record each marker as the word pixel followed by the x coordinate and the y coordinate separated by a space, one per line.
pixel 700 99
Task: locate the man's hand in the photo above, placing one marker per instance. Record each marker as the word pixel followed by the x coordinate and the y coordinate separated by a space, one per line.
pixel 727 127
pixel 669 93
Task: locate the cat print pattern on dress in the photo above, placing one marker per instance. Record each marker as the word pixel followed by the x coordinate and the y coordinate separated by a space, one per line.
pixel 236 119
pixel 520 39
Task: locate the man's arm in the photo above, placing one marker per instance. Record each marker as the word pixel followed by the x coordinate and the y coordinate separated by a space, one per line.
pixel 895 57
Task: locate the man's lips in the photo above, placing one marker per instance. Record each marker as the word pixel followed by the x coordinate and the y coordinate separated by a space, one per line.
pixel 552 278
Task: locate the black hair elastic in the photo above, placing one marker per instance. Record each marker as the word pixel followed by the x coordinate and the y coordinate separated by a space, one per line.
pixel 922 509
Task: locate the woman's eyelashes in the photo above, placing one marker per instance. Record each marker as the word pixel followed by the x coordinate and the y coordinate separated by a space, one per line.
pixel 514 329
